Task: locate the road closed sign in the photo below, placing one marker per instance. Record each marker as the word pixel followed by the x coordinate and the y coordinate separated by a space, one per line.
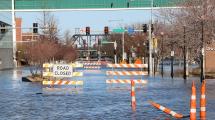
pixel 62 70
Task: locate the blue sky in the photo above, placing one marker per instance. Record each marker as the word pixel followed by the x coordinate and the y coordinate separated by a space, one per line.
pixel 80 19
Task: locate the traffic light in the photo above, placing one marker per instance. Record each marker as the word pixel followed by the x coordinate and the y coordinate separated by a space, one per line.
pixel 87 30
pixel 106 30
pixel 152 28
pixel 35 27
pixel 3 30
pixel 145 28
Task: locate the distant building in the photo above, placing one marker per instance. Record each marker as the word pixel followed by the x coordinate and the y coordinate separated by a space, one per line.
pixel 209 57
pixel 18 29
pixel 6 46
pixel 24 36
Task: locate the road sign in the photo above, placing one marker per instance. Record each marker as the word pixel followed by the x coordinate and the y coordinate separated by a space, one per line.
pixel 62 70
pixel 130 30
pixel 118 30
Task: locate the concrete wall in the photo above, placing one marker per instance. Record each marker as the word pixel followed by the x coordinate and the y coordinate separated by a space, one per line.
pixel 6 58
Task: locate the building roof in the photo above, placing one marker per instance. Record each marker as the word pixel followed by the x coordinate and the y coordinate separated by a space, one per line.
pixel 6 24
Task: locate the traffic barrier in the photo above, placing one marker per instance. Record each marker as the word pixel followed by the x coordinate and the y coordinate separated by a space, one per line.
pixel 48 69
pixel 50 65
pixel 47 74
pixel 92 67
pixel 193 103
pixel 62 82
pixel 166 110
pixel 138 61
pixel 127 65
pixel 125 81
pixel 74 74
pixel 203 102
pixel 77 74
pixel 126 73
pixel 77 65
pixel 92 63
pixel 133 99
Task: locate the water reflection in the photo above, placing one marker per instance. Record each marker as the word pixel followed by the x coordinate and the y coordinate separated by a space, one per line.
pixel 19 100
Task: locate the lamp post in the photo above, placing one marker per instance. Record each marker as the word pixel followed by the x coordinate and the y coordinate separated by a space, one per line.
pixel 162 53
pixel 172 56
pixel 202 53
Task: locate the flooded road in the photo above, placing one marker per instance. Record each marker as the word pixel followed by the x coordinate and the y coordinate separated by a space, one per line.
pixel 96 100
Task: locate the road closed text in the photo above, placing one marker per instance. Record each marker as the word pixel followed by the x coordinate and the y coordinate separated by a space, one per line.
pixel 62 71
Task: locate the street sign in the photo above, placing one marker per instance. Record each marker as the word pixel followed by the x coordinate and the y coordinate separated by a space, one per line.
pixel 155 43
pixel 62 70
pixel 172 53
pixel 118 30
pixel 130 30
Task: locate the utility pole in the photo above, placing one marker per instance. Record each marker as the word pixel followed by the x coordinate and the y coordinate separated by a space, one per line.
pixel 162 53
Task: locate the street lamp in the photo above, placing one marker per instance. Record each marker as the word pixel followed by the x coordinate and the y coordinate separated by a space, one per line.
pixel 162 34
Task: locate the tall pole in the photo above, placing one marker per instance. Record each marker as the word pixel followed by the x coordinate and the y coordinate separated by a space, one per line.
pixel 202 54
pixel 115 57
pixel 150 43
pixel 162 53
pixel 14 33
pixel 185 63
pixel 123 45
pixel 172 60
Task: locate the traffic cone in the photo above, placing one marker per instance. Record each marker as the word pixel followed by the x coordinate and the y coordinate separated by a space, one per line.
pixel 133 99
pixel 193 103
pixel 166 110
pixel 203 102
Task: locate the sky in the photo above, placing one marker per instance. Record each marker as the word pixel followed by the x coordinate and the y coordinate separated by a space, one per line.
pixel 69 20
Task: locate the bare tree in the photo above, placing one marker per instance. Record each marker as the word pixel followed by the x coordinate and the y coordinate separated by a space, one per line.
pixel 49 26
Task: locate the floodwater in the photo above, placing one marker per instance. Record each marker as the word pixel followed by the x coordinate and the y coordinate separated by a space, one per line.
pixel 96 100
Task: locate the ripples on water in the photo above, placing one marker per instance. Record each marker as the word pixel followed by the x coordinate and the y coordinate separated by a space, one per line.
pixel 96 100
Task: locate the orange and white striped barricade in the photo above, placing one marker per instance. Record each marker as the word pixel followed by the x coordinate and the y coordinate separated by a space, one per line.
pixel 121 81
pixel 203 101
pixel 126 73
pixel 167 110
pixel 62 82
pixel 92 65
pixel 193 103
pixel 127 65
pixel 133 98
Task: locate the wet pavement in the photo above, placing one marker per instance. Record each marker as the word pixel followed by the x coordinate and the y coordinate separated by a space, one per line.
pixel 96 100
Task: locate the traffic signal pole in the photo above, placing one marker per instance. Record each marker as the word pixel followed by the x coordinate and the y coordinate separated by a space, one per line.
pixel 123 45
pixel 150 51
